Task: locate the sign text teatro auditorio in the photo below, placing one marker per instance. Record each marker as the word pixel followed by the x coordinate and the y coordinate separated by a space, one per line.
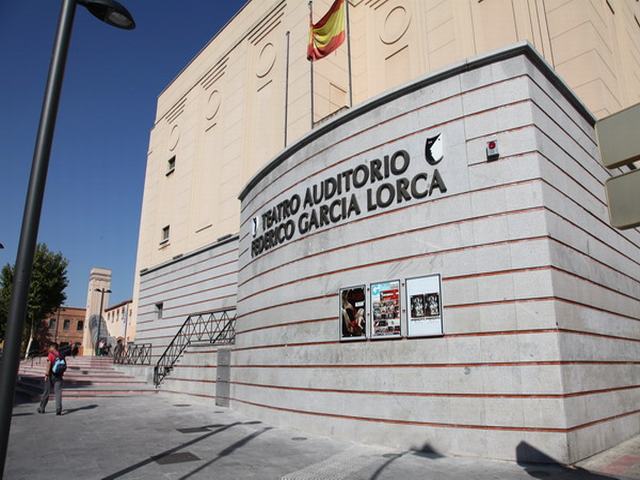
pixel 334 199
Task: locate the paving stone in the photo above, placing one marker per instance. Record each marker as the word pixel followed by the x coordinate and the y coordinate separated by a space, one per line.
pixel 139 437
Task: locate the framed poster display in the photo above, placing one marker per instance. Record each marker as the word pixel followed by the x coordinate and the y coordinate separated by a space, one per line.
pixel 424 306
pixel 353 313
pixel 385 309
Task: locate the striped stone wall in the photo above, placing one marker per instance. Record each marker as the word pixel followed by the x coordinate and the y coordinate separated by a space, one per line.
pixel 594 271
pixel 202 281
pixel 539 353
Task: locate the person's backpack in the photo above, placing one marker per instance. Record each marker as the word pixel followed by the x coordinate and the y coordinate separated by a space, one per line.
pixel 59 366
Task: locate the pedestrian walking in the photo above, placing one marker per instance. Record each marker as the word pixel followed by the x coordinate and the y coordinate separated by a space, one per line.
pixel 56 366
pixel 118 351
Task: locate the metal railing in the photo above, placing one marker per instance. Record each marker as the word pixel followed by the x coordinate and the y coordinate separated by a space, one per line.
pixel 134 354
pixel 216 328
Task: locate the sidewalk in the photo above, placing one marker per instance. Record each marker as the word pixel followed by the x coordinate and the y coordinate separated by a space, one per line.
pixel 179 437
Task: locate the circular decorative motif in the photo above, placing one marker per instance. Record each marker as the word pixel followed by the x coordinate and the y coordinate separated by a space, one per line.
pixel 395 25
pixel 213 105
pixel 266 60
pixel 174 137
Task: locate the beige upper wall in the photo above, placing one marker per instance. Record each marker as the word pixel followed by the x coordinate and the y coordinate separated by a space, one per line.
pixel 223 116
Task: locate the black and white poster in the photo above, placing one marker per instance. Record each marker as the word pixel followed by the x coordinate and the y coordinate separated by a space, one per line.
pixel 424 306
pixel 385 309
pixel 353 313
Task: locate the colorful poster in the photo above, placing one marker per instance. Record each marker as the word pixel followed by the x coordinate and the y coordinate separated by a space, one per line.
pixel 424 306
pixel 353 313
pixel 385 309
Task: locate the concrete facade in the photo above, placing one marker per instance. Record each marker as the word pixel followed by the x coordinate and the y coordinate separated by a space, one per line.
pixel 117 318
pixel 203 281
pixel 99 278
pixel 210 135
pixel 540 295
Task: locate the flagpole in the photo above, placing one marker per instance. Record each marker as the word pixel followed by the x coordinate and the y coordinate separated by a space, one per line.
pixel 349 53
pixel 286 92
pixel 311 61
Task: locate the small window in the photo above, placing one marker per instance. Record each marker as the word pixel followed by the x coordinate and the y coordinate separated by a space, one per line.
pixel 165 234
pixel 66 324
pixel 171 165
pixel 52 324
pixel 159 307
pixel 80 325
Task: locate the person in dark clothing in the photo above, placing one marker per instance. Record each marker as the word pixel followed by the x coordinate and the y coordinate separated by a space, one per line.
pixel 51 380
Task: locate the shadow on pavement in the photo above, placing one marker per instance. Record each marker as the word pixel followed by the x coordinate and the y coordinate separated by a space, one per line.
pixel 152 459
pixel 426 451
pixel 538 464
pixel 392 458
pixel 86 407
pixel 227 451
pixel 21 398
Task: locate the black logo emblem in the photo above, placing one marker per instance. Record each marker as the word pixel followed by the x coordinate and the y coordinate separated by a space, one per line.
pixel 433 150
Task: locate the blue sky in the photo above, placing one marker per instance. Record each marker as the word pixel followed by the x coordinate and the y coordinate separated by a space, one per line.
pixel 96 173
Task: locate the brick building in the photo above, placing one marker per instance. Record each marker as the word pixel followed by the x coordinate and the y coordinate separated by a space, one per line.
pixel 66 325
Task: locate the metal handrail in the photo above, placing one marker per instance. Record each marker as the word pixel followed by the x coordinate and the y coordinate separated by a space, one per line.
pixel 134 354
pixel 215 327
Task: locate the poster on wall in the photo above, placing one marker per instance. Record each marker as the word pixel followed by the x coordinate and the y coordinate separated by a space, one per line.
pixel 353 313
pixel 385 309
pixel 424 306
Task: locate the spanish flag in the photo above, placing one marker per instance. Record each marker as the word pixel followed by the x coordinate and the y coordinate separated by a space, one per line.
pixel 328 34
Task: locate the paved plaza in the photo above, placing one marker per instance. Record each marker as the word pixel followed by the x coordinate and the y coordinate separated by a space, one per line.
pixel 168 436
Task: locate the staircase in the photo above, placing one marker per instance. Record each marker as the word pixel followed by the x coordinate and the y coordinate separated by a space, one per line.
pixel 216 327
pixel 85 377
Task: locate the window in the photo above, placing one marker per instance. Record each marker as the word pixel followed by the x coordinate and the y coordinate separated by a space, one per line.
pixel 80 325
pixel 165 234
pixel 65 324
pixel 171 165
pixel 52 324
pixel 159 307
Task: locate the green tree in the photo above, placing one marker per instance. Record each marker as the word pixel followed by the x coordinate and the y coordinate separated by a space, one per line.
pixel 46 292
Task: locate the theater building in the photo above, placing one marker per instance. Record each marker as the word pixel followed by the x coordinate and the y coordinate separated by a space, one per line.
pixel 429 265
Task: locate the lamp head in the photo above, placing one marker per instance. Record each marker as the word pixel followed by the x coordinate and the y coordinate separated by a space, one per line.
pixel 111 12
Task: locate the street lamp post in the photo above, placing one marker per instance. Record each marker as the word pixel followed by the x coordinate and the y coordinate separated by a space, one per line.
pixel 113 13
pixel 102 292
pixel 126 320
pixel 57 326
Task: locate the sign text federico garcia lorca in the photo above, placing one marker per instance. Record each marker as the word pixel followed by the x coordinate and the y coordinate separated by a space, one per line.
pixel 334 199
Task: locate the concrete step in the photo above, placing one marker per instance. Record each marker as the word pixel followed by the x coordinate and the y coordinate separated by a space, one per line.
pixel 86 382
pixel 85 377
pixel 34 391
pixel 73 371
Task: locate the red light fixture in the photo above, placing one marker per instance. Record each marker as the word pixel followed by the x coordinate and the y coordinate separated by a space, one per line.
pixel 492 150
